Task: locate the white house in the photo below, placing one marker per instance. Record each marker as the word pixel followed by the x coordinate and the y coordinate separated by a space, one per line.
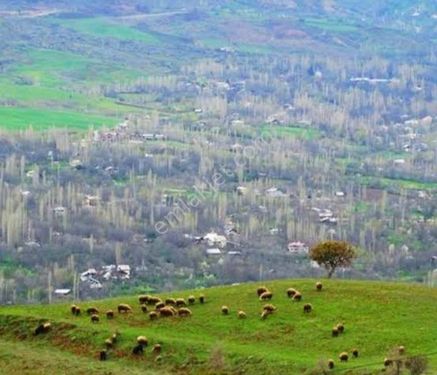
pixel 62 292
pixel 213 251
pixel 297 247
pixel 215 239
pixel 88 274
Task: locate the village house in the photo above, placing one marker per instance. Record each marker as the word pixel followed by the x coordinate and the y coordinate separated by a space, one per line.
pixel 274 192
pixel 214 239
pixel 234 253
pixel 116 272
pixel 241 190
pixel 297 247
pixel 91 200
pixel 59 210
pixel 62 292
pixel 213 251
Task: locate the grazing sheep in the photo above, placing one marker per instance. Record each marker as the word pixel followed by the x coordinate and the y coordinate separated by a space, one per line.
pixel 319 286
pixel 261 290
pixel 109 343
pixel 265 314
pixel 153 300
pixel 77 311
pixel 335 332
pixel 153 315
pixel 159 306
pixel 202 298
pixel 103 355
pixel 166 311
pixel 170 301
pixel 156 349
pixel 297 297
pixel 39 330
pixel 42 328
pixel 183 311
pixel 388 362
pixel 114 338
pixel 355 353
pixel 343 357
pixel 225 310
pixel 241 315
pixel 291 292
pixel 269 307
pixel 110 314
pixel 191 300
pixel 123 308
pixel 401 350
pixel 340 327
pixel 73 309
pixel 143 299
pixel 142 340
pixel 331 364
pixel 138 349
pixel 95 318
pixel 92 310
pixel 266 296
pixel 144 308
pixel 180 302
pixel 307 308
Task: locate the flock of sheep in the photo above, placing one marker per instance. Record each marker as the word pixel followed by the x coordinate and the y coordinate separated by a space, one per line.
pixel 156 308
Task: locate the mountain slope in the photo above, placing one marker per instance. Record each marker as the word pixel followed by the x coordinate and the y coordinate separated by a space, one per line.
pixel 377 317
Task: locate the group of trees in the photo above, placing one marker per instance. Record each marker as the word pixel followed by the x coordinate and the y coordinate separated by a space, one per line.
pixel 291 137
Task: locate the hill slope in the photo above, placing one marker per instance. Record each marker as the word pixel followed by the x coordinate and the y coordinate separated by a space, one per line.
pixel 377 317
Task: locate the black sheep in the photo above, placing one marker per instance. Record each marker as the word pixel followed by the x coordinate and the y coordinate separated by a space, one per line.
pixel 138 350
pixel 103 355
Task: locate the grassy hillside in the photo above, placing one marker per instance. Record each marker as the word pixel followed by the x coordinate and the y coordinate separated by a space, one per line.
pixel 377 317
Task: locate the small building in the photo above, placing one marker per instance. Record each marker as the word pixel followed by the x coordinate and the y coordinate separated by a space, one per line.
pixel 234 253
pixel 123 271
pixel 236 147
pixel 32 244
pixel 62 292
pixel 213 251
pixel 274 192
pixel 241 190
pixel 95 284
pixel 88 274
pixel 59 210
pixel 399 161
pixel 91 200
pixel 297 247
pixel 76 163
pixel 215 239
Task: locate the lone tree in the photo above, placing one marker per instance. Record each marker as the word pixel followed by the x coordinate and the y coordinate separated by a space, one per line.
pixel 333 254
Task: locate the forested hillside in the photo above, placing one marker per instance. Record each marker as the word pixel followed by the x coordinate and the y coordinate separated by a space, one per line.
pixel 197 143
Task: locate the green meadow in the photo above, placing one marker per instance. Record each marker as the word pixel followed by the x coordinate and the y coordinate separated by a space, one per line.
pixel 377 317
pixel 106 28
pixel 13 119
